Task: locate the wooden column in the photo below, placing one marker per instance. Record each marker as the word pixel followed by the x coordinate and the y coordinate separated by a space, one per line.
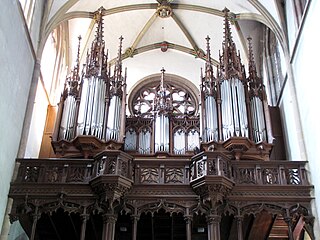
pixel 213 221
pixel 288 220
pixel 84 218
pixel 109 223
pixel 135 219
pixel 239 220
pixel 219 111
pixel 188 220
pixel 36 216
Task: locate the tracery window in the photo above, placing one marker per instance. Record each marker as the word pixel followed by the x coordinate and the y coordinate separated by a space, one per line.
pixel 182 120
pixel 274 68
pixel 183 102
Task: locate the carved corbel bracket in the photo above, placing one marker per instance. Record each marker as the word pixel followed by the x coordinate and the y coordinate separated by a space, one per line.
pixel 213 188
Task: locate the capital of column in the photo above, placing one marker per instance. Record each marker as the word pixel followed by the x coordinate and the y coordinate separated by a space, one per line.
pixel 239 218
pixel 188 219
pixel 109 218
pixel 85 217
pixel 135 217
pixel 213 219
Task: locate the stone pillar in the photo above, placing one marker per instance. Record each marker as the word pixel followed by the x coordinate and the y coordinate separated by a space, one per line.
pixel 109 223
pixel 188 220
pixel 239 220
pixel 84 218
pixel 135 219
pixel 213 221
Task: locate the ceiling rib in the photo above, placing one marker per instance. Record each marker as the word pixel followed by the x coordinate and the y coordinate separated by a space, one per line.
pixel 154 46
pixel 272 22
pixel 185 31
pixel 142 33
pixel 62 15
pixel 86 39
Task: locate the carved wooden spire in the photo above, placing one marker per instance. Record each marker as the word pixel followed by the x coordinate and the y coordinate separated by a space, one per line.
pixel 230 61
pixel 117 80
pixel 162 101
pixel 208 80
pixel 255 82
pixel 73 80
pixel 96 58
pixel 253 76
pixel 209 68
pixel 118 66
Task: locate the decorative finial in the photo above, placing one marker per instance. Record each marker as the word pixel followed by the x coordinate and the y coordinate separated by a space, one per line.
pixel 77 67
pixel 227 30
pixel 96 63
pixel 230 61
pixel 162 79
pixel 252 65
pixel 118 65
pixel 98 16
pixel 208 48
pixel 253 78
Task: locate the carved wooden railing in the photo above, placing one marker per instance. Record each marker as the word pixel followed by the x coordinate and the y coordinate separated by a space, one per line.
pixel 162 173
pixel 241 172
pixel 270 172
pixel 250 172
pixel 54 170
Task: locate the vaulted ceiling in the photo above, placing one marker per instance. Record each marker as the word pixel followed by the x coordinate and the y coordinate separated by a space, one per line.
pixel 146 25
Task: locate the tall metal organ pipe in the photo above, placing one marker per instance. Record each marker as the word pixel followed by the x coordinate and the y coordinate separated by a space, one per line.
pixel 208 98
pixel 70 102
pixel 257 97
pixel 162 109
pixel 116 112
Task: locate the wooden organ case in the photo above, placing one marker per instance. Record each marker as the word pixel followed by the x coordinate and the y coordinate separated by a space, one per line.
pixel 179 167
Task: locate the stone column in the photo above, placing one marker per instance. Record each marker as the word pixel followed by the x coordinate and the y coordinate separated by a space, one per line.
pixel 109 223
pixel 213 221
pixel 85 218
pixel 239 227
pixel 135 219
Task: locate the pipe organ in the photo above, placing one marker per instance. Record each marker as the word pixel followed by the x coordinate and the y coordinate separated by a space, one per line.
pixel 233 107
pixel 164 116
pixel 93 105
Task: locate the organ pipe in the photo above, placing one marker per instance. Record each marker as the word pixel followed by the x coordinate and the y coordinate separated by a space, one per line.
pixel 232 105
pixel 208 98
pixel 94 105
pixel 144 141
pixel 94 85
pixel 257 99
pixel 116 119
pixel 162 109
pixel 69 103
